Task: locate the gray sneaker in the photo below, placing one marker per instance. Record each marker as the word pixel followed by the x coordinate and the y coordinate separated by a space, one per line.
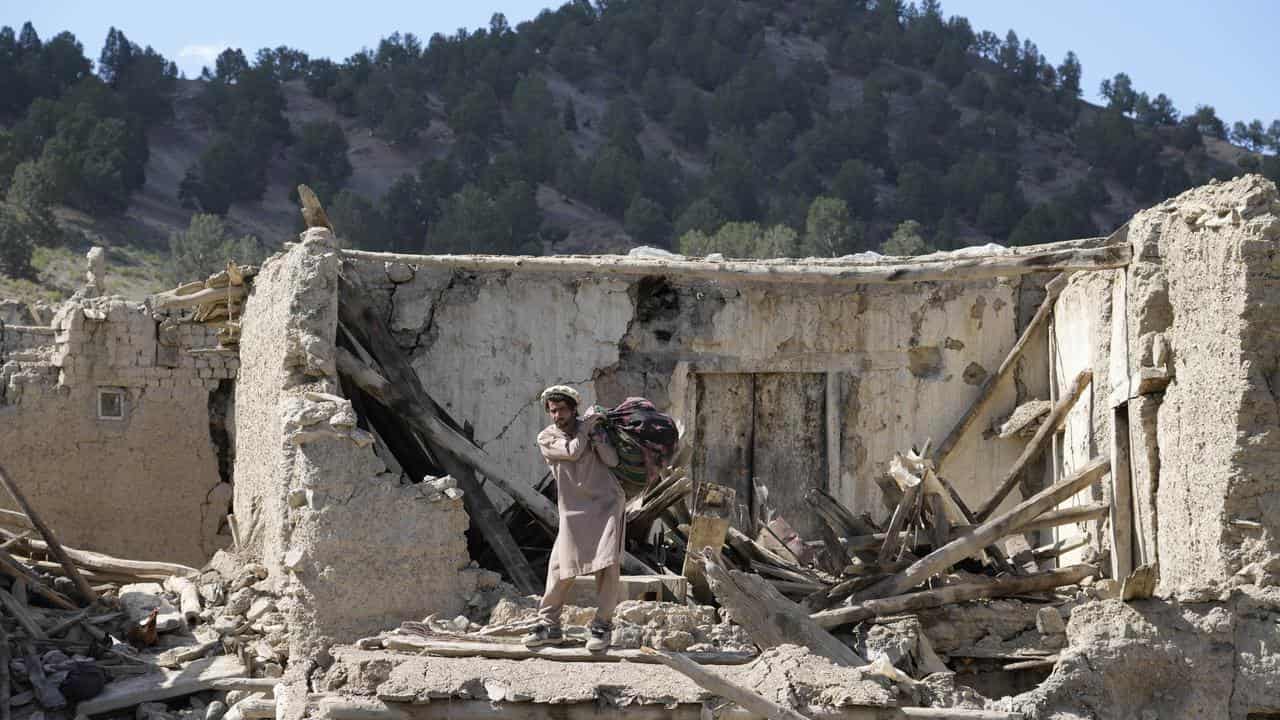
pixel 601 635
pixel 543 635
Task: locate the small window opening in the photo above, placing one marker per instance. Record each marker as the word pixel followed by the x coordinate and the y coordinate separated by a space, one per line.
pixel 110 403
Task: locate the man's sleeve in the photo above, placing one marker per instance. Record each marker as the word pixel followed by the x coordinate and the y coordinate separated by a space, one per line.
pixel 605 450
pixel 557 448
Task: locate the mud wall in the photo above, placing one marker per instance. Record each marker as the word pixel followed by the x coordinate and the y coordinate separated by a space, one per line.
pixel 1205 277
pixel 904 360
pixel 150 461
pixel 359 548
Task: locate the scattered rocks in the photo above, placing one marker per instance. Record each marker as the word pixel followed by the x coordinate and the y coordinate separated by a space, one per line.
pixel 640 623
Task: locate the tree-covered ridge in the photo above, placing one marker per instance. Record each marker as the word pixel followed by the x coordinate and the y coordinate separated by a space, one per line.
pixel 758 115
pixel 751 128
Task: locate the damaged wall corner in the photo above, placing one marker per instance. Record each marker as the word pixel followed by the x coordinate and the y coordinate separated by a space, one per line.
pixel 360 549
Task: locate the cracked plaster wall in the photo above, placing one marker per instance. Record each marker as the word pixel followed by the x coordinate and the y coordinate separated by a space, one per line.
pixel 97 481
pixel 910 357
pixel 358 549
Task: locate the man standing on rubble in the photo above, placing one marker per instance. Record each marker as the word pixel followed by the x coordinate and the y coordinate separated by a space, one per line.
pixel 591 504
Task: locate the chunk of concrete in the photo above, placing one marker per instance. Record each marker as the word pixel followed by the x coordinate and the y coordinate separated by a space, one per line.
pixel 139 599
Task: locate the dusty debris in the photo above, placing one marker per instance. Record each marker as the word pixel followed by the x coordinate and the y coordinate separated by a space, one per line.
pixel 217 301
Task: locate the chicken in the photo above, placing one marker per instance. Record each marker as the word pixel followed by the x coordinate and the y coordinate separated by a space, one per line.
pixel 144 634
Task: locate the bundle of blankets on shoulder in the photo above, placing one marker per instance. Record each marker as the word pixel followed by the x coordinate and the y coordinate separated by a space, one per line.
pixel 645 438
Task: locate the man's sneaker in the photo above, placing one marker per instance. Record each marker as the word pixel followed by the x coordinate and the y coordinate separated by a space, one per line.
pixel 543 635
pixel 601 634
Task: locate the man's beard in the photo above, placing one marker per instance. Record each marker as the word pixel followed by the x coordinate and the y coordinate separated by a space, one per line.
pixel 566 424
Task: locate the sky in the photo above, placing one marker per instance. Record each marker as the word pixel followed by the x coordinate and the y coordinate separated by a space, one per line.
pixel 1212 52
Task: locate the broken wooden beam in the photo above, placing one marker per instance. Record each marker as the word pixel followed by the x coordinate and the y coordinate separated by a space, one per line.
pixel 718 685
pixel 836 515
pixel 1066 516
pixel 171 301
pixel 769 618
pixel 1036 444
pixel 912 602
pixel 1085 254
pixel 906 507
pixel 941 523
pixel 402 391
pixel 55 548
pixel 713 507
pixel 1059 548
pixel 14 568
pixel 987 392
pixel 1121 506
pixel 988 532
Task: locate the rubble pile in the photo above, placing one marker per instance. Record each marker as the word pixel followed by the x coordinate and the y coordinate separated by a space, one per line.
pixel 93 633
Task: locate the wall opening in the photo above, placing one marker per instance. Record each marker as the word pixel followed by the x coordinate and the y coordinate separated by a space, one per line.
pixel 221 411
pixel 111 403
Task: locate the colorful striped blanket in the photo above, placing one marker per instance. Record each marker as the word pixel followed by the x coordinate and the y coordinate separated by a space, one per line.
pixel 645 439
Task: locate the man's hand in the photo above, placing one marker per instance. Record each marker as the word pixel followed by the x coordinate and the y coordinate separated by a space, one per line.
pixel 592 418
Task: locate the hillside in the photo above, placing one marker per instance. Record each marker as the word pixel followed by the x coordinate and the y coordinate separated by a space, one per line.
pixel 691 124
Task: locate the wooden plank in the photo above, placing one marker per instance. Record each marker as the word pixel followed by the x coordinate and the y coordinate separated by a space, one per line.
pixel 14 568
pixel 1085 254
pixel 941 523
pixel 1144 471
pixel 1121 496
pixel 770 619
pixel 988 390
pixel 1067 516
pixel 722 454
pixel 844 522
pixel 1060 547
pixel 889 549
pixel 913 602
pixel 788 451
pixel 171 301
pixel 153 687
pixel 55 548
pixel 515 651
pixel 718 685
pixel 1121 479
pixel 713 507
pixel 1118 365
pixel 833 429
pixel 1036 445
pixel 988 532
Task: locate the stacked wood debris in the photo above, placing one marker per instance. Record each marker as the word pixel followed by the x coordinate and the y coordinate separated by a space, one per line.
pixel 89 633
pixel 217 301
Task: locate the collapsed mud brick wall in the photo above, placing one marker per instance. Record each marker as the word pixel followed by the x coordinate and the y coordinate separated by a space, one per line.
pixel 113 428
pixel 359 548
pixel 757 371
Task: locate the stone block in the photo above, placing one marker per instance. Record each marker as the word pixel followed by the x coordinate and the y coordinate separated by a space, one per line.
pixel 634 587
